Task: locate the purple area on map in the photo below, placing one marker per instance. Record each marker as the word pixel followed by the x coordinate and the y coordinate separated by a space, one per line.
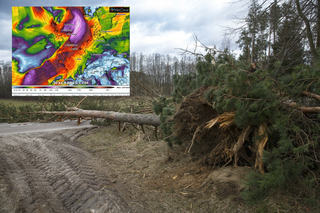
pixel 18 43
pixel 56 12
pixel 29 78
pixel 48 8
pixel 94 58
pixel 32 26
pixel 38 38
pixel 109 76
pixel 98 82
pixel 77 26
pixel 112 52
pixel 52 11
pixel 122 67
pixel 21 23
pixel 42 74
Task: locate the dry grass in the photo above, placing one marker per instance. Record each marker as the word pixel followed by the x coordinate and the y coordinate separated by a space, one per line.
pixel 155 178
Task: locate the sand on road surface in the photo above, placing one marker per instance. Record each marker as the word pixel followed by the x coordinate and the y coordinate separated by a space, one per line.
pixel 45 172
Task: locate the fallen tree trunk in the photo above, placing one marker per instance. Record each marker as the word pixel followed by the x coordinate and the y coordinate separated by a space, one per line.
pixel 149 119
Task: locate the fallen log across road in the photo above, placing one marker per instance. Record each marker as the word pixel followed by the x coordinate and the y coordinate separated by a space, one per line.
pixel 142 119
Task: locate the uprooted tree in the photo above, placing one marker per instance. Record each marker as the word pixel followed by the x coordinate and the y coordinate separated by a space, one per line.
pixel 248 117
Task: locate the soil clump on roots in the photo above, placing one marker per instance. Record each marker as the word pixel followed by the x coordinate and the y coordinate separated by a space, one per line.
pixel 211 143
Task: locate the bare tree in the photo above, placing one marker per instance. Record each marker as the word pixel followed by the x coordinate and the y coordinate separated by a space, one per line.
pixel 308 18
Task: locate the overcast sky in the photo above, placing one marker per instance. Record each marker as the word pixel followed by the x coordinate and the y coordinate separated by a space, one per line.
pixel 155 26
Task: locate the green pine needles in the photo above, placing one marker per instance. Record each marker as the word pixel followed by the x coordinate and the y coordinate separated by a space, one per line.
pixel 265 96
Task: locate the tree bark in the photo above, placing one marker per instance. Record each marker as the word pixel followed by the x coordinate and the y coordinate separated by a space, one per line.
pixel 234 151
pixel 315 96
pixel 318 24
pixel 309 33
pixel 148 119
pixel 305 109
pixel 252 45
pixel 259 147
pixel 253 33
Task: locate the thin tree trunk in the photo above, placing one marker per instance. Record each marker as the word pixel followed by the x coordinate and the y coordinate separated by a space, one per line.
pixel 274 35
pixel 253 34
pixel 252 47
pixel 318 24
pixel 248 54
pixel 309 33
pixel 269 48
pixel 305 109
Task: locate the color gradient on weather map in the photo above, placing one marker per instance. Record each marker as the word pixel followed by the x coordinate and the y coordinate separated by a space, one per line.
pixel 70 47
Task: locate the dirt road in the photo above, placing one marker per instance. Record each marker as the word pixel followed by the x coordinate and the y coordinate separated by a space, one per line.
pixel 101 170
pixel 45 172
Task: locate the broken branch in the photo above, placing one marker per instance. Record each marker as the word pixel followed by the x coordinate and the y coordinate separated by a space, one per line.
pixel 315 96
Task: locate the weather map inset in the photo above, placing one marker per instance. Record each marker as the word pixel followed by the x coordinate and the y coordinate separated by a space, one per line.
pixel 70 47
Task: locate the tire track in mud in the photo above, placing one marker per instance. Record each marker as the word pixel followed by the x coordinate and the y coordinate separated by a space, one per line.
pixel 44 172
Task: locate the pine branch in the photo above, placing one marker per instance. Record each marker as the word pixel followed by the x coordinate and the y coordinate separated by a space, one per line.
pixel 315 96
pixel 81 101
pixel 305 109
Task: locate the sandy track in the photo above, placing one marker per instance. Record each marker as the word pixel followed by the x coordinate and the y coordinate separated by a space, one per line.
pixel 45 172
